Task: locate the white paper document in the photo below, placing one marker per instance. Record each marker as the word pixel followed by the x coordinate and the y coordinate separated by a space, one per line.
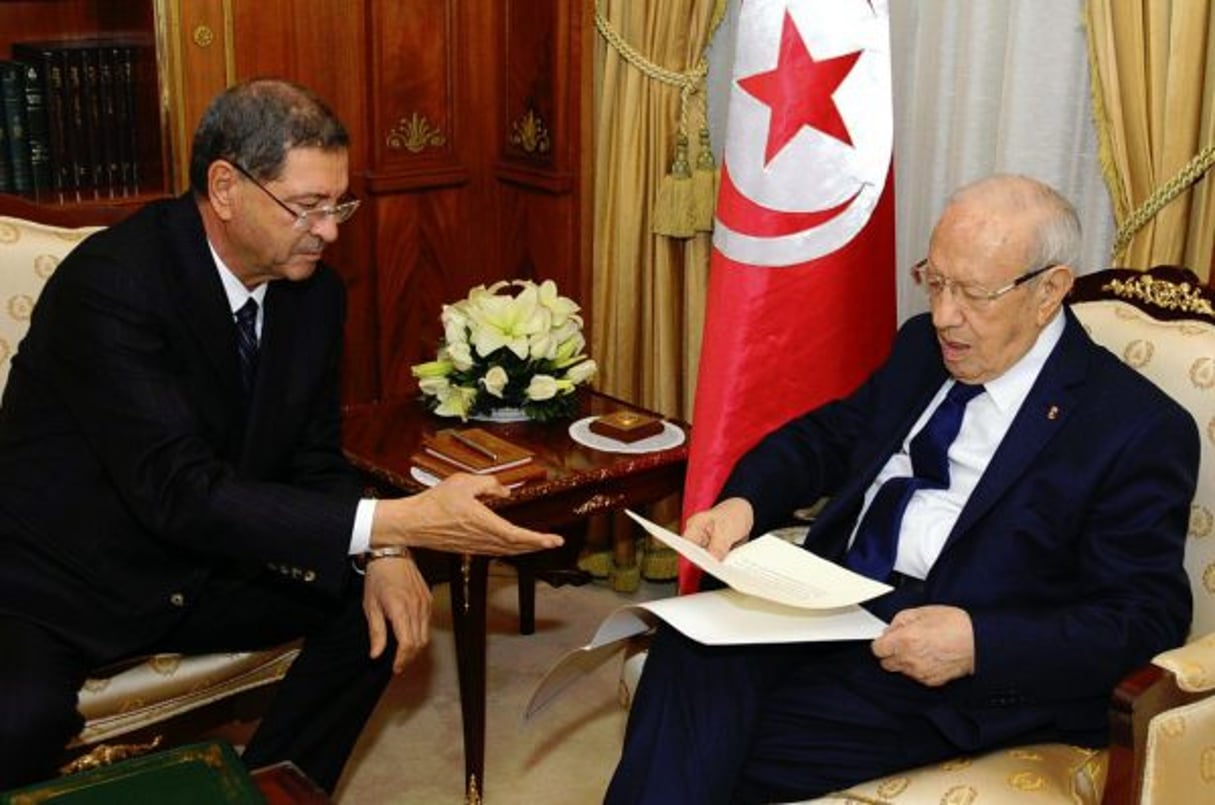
pixel 771 568
pixel 781 594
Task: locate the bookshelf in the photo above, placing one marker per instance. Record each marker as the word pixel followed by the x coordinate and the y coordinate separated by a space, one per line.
pixel 132 79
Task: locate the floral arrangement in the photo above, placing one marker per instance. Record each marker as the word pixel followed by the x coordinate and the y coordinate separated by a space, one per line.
pixel 508 351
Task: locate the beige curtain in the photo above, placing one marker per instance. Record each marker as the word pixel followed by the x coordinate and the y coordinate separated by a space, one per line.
pixel 648 295
pixel 1153 68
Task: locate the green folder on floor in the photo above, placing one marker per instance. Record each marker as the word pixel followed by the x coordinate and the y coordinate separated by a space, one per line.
pixel 197 774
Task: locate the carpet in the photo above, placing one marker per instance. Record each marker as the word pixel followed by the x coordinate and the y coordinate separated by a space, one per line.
pixel 412 749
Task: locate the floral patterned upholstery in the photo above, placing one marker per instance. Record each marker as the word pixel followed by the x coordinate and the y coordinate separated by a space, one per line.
pixel 157 688
pixel 1163 324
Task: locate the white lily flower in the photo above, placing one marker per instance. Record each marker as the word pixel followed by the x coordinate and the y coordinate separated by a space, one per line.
pixel 503 321
pixel 437 368
pixel 542 387
pixel 434 386
pixel 456 401
pixel 542 347
pixel 495 380
pixel 460 354
pixel 562 307
pixel 581 372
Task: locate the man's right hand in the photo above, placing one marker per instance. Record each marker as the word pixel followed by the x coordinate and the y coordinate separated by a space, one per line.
pixel 451 517
pixel 722 527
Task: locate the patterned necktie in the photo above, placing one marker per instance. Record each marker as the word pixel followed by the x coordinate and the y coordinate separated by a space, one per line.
pixel 246 343
pixel 876 545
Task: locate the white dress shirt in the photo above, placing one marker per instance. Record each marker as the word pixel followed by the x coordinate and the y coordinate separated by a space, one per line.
pixel 932 513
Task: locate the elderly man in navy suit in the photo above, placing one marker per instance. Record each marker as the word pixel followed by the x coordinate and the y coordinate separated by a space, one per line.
pixel 171 474
pixel 1026 494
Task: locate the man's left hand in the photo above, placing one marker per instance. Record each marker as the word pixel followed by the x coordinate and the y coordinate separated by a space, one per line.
pixel 932 644
pixel 394 593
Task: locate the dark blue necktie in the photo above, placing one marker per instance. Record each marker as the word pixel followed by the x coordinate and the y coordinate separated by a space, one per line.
pixel 876 545
pixel 246 344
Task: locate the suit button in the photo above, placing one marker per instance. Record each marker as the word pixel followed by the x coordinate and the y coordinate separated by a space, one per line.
pixel 309 575
pixel 177 600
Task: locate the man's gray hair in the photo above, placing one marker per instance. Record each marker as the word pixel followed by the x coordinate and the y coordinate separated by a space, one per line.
pixel 1056 228
pixel 255 124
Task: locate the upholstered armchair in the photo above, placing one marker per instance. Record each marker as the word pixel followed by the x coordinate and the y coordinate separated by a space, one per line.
pixel 1162 323
pixel 138 698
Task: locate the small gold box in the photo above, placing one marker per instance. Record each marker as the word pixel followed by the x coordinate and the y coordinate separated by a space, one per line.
pixel 626 426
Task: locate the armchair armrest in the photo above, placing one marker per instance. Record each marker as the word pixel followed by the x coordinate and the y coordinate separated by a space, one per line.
pixel 1175 678
pixel 1192 665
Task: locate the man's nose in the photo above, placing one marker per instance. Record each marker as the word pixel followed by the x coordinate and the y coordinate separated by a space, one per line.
pixel 325 227
pixel 946 312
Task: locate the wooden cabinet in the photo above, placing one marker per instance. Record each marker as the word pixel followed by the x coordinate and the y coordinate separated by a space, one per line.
pixel 181 58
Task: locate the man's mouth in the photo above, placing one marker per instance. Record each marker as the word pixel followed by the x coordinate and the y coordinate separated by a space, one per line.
pixel 952 350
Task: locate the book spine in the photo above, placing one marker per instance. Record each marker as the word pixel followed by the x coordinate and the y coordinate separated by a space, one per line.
pixel 76 133
pixel 109 120
pixel 125 114
pixel 12 103
pixel 37 129
pixel 51 66
pixel 90 96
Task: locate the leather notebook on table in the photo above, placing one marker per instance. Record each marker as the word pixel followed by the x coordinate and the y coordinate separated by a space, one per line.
pixel 480 452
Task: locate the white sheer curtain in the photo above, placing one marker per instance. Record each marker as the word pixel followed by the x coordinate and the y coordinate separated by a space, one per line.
pixel 979 88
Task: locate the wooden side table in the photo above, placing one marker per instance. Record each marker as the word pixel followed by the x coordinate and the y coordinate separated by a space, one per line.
pixel 379 438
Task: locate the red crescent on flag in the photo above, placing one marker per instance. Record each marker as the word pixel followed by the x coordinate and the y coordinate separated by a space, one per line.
pixel 746 217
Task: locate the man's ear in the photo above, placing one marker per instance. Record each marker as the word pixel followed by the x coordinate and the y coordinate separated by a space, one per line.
pixel 222 192
pixel 1053 287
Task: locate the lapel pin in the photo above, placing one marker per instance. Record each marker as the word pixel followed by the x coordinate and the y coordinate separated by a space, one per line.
pixel 1052 413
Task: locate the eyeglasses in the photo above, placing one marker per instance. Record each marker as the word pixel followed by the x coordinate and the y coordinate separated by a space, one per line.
pixel 967 293
pixel 306 219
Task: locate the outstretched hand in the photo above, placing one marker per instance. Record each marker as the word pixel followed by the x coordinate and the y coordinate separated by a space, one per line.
pixel 451 517
pixel 395 595
pixel 722 527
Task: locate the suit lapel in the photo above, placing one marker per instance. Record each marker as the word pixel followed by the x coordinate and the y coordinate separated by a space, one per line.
pixel 280 322
pixel 1047 407
pixel 199 295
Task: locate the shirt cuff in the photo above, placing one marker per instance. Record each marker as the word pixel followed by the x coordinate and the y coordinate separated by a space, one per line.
pixel 360 535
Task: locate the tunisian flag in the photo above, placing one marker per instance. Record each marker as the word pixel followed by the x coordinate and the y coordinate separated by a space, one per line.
pixel 800 303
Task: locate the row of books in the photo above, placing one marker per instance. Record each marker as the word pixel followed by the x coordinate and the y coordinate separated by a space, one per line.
pixel 69 119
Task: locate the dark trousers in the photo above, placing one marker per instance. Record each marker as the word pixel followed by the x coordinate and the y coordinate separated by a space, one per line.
pixel 753 724
pixel 314 720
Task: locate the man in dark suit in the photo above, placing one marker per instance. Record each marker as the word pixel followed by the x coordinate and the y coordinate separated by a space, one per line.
pixel 1042 566
pixel 171 477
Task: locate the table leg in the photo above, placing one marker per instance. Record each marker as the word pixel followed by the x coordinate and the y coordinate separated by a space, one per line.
pixel 526 570
pixel 468 602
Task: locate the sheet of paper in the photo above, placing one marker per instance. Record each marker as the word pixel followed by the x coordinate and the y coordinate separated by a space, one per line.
pixel 719 617
pixel 771 568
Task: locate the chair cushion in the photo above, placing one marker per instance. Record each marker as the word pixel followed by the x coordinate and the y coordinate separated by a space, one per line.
pixel 29 253
pixel 1038 773
pixel 166 685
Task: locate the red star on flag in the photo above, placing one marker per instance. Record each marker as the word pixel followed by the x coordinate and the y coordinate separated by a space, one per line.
pixel 799 91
